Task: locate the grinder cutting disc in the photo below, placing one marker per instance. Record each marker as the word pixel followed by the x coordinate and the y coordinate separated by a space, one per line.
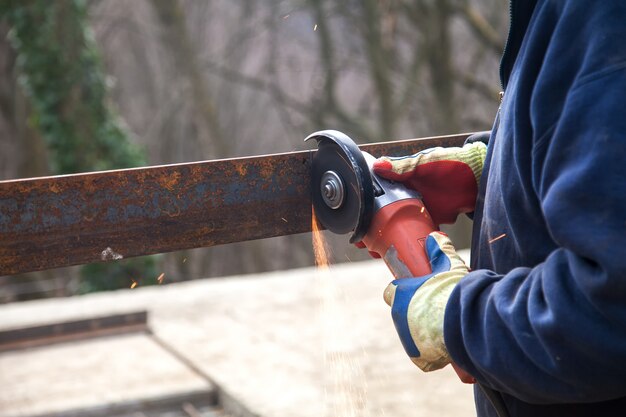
pixel 341 185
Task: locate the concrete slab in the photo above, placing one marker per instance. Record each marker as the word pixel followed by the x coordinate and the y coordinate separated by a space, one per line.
pixel 92 374
pixel 293 343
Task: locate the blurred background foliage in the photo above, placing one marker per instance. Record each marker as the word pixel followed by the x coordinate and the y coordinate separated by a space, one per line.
pixel 61 73
pixel 104 84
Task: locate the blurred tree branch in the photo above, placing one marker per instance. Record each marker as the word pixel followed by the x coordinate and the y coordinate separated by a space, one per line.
pixel 480 26
pixel 172 18
pixel 380 64
pixel 330 106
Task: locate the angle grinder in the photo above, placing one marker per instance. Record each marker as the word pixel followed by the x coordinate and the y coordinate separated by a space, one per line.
pixel 387 218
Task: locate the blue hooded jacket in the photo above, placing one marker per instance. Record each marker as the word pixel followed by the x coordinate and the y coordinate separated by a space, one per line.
pixel 542 317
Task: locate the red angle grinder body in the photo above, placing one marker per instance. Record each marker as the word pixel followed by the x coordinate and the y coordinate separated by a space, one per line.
pixel 387 218
pixel 398 234
pixel 383 216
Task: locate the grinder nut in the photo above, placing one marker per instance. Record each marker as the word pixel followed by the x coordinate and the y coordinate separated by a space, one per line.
pixel 332 189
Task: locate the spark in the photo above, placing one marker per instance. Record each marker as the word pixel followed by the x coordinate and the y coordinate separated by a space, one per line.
pixel 161 277
pixel 348 258
pixel 286 16
pixel 283 219
pixel 497 238
pixel 422 209
pixel 315 27
pixel 184 260
pixel 320 246
pixel 134 284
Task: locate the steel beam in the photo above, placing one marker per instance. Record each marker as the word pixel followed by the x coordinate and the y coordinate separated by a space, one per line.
pixel 52 222
pixel 70 331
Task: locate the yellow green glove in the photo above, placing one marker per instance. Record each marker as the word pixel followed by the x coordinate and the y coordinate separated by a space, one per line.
pixel 418 304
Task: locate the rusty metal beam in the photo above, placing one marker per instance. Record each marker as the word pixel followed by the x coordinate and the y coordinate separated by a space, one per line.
pixel 69 331
pixel 52 222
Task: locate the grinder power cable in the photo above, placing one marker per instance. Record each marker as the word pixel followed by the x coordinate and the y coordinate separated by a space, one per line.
pixel 387 218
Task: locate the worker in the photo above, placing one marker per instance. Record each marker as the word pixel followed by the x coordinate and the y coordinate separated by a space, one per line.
pixel 540 321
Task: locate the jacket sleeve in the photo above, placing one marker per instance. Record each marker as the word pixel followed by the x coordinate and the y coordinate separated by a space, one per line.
pixel 556 332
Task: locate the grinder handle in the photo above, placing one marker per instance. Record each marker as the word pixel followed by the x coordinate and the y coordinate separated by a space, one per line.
pixel 398 234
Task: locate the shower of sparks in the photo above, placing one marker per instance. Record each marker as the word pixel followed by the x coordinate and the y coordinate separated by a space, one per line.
pixel 315 27
pixel 134 284
pixel 344 382
pixel 160 278
pixel 321 249
pixel 497 238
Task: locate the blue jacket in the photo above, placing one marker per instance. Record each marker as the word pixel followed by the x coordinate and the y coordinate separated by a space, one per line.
pixel 542 317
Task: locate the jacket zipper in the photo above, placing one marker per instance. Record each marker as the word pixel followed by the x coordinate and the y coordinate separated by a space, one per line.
pixel 506 47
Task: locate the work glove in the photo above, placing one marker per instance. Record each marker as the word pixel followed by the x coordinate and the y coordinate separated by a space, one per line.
pixel 447 178
pixel 418 305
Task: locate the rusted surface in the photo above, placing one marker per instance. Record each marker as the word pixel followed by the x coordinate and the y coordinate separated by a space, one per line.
pixel 73 330
pixel 76 219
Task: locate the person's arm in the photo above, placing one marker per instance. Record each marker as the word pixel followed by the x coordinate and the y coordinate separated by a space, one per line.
pixel 556 332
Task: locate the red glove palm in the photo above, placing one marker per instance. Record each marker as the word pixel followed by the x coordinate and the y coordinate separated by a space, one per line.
pixel 447 178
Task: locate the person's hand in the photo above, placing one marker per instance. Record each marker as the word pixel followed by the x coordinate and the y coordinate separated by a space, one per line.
pixel 418 306
pixel 447 178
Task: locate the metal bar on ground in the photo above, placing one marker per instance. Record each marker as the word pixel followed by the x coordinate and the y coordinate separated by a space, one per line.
pixel 206 400
pixel 48 334
pixel 52 222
